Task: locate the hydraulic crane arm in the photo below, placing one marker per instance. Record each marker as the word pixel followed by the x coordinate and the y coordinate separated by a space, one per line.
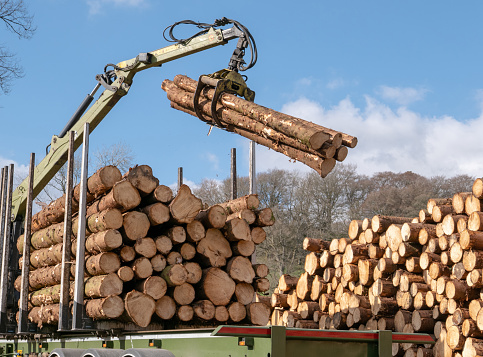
pixel 117 83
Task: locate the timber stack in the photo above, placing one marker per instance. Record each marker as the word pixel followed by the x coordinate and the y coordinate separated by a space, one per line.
pixel 152 257
pixel 422 274
pixel 314 145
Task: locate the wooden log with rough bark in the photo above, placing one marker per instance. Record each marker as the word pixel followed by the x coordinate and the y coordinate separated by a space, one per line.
pixel 213 217
pixel 123 196
pixel 158 213
pixel 141 177
pixel 315 245
pixel 185 206
pixel 110 307
pixel 103 263
pixel 139 308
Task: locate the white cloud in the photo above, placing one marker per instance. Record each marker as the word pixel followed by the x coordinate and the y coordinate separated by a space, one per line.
pixel 20 172
pixel 214 160
pixel 96 6
pixel 335 83
pixel 395 140
pixel 402 96
pixel 191 184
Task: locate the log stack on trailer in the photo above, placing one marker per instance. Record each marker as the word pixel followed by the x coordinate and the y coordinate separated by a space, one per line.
pixel 421 274
pixel 152 256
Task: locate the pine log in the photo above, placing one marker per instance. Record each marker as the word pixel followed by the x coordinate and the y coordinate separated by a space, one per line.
pixel 103 241
pixel 432 202
pixel 450 223
pixel 425 216
pixel 195 231
pixel 158 213
pixel 472 204
pixel 455 338
pixel 471 239
pixel 384 306
pixel 101 221
pixel 103 263
pixel 383 288
pixel 474 308
pixel 247 215
pixel 135 225
pixel 237 229
pixel 381 223
pixel 214 249
pixel 244 293
pixel 142 267
pixel 110 307
pixel 288 282
pixel 213 217
pixel 240 270
pixel 326 259
pixel 145 247
pixel 47 276
pixel 258 313
pixel 125 273
pixel 165 307
pixel 473 259
pixel 458 201
pixel 304 285
pixel 221 314
pixel 312 265
pixel 46 256
pixel 265 217
pixel 315 245
pixel 185 206
pixel 46 314
pixel 48 295
pixel 127 253
pixel 261 270
pixel 237 311
pixel 422 320
pixel 43 238
pixel 410 231
pixel 103 286
pixel 194 272
pixel 354 252
pixel 427 258
pixel 261 285
pixel 123 196
pixel 217 286
pixel 162 194
pixel 245 202
pixel 279 300
pixel 469 328
pixel 402 318
pixel 243 247
pixel 355 228
pixel 154 286
pixel 141 177
pixel 185 313
pixel 204 309
pixel 475 221
pixel 440 211
pixel 175 274
pixel 184 294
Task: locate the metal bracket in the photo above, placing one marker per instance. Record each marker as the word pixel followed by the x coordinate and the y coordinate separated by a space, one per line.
pixel 224 81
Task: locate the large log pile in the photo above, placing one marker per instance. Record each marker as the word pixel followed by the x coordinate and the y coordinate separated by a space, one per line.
pixel 152 256
pixel 314 145
pixel 393 273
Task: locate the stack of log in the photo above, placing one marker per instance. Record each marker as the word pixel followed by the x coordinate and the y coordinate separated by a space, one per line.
pixel 421 274
pixel 151 256
pixel 314 145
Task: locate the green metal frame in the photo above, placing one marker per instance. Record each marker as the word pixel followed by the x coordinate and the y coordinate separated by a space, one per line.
pixel 57 155
pixel 234 341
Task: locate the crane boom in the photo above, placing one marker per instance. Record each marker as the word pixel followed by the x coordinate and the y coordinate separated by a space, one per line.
pixel 113 92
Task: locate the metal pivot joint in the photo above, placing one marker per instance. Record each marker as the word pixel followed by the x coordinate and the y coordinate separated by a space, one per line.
pixel 224 81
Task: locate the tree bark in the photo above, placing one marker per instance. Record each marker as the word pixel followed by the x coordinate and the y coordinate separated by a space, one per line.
pixel 103 286
pixel 103 263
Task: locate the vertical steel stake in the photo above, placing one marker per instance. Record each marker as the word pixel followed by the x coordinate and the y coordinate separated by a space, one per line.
pixel 24 286
pixel 81 237
pixel 3 200
pixel 5 252
pixel 233 174
pixel 180 177
pixel 252 174
pixel 64 313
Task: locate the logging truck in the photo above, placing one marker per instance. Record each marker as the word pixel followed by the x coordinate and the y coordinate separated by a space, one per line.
pixel 45 274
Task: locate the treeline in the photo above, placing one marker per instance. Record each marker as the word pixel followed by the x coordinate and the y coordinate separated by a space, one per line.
pixel 306 205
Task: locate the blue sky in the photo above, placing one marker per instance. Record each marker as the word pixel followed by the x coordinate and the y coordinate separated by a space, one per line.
pixel 406 78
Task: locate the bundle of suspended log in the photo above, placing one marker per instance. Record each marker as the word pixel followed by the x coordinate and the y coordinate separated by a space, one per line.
pixel 314 145
pixel 152 256
pixel 421 274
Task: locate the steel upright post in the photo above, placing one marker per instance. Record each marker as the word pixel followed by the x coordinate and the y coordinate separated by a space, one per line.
pixel 233 174
pixel 24 286
pixel 81 236
pixel 5 252
pixel 252 169
pixel 64 312
pixel 180 177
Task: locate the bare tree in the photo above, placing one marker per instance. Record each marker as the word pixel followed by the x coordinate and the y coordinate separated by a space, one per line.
pixel 119 155
pixel 17 20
